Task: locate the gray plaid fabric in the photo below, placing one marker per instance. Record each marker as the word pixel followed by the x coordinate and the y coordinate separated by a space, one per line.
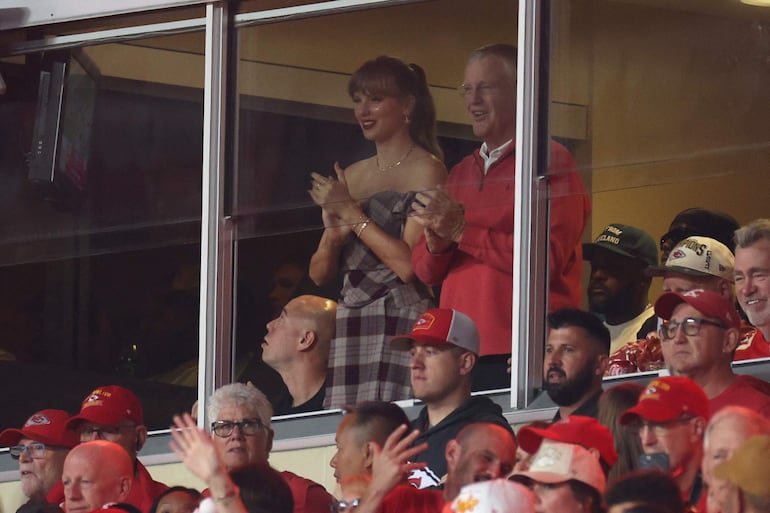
pixel 374 305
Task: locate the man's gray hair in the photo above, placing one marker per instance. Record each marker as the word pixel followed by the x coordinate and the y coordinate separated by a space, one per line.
pixel 238 394
pixel 757 424
pixel 508 53
pixel 753 232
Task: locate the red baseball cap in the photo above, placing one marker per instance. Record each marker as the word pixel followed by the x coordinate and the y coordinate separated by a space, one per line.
pixel 575 429
pixel 46 426
pixel 107 406
pixel 668 398
pixel 706 302
pixel 441 327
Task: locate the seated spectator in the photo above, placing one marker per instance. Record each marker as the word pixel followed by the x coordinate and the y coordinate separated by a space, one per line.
pixel 40 445
pixel 114 413
pixel 97 474
pixel 364 424
pixel 698 221
pixel 566 478
pixel 444 345
pixel 618 287
pixel 480 452
pixel 496 496
pixel 177 499
pixel 644 488
pixel 726 431
pixel 575 429
pixel 695 263
pixel 242 435
pixel 699 336
pixel 747 470
pixel 752 264
pixel 195 448
pixel 613 402
pixel 575 361
pixel 297 347
pixel 671 417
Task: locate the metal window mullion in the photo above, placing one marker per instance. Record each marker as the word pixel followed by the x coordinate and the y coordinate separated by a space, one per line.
pixel 530 255
pixel 214 349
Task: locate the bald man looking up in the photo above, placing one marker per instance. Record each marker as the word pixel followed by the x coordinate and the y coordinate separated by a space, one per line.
pixel 297 347
pixel 96 474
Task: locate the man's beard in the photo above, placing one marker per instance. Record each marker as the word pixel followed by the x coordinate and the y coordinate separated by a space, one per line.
pixel 571 390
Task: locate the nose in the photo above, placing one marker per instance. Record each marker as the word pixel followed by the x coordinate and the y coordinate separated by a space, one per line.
pixel 416 361
pixel 269 325
pixel 746 287
pixel 495 470
pixel 333 461
pixel 25 456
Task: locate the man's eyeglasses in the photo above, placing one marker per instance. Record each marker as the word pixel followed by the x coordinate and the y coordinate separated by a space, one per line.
pixel 248 427
pixel 341 506
pixel 36 450
pixel 110 433
pixel 660 429
pixel 482 89
pixel 690 326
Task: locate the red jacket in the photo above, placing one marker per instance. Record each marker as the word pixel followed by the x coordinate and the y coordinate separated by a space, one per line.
pixel 477 274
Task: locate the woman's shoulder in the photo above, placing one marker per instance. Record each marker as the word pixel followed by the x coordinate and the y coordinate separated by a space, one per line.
pixel 426 170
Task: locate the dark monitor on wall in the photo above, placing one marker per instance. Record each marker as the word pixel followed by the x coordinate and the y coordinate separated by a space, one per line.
pixel 61 137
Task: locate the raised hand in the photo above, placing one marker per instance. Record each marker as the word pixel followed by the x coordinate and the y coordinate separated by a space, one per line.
pixel 195 448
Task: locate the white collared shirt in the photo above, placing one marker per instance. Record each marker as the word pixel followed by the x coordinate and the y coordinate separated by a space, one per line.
pixel 490 157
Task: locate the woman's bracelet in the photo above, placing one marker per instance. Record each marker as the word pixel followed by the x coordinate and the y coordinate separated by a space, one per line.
pixel 363 224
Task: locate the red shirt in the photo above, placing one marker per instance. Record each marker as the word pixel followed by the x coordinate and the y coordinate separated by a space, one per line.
pixel 408 499
pixel 476 275
pixel 747 391
pixel 752 344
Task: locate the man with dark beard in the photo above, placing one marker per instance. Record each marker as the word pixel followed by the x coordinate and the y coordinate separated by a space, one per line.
pixel 618 286
pixel 576 356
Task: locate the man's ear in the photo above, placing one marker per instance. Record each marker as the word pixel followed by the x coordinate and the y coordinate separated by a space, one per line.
pixel 699 427
pixel 309 338
pixel 141 437
pixel 452 453
pixel 603 362
pixel 467 362
pixel 732 339
pixel 369 454
pixel 124 488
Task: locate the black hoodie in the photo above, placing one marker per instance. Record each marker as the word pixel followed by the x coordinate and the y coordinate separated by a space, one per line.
pixel 475 409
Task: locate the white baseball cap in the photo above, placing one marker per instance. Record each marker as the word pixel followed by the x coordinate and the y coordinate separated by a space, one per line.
pixel 698 256
pixel 557 462
pixel 495 496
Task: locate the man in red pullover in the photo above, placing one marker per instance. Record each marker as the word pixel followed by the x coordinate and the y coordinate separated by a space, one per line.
pixel 467 243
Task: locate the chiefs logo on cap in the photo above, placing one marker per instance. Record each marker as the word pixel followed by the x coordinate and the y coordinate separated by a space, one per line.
pixel 677 253
pixel 425 322
pixel 37 420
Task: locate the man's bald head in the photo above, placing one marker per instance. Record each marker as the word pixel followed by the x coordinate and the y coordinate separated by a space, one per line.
pixel 96 473
pixel 319 312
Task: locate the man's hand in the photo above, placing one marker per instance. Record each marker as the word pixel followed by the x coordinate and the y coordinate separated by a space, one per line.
pixel 391 466
pixel 442 218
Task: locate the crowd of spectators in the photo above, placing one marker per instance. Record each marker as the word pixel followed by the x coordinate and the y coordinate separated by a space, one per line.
pixel 693 439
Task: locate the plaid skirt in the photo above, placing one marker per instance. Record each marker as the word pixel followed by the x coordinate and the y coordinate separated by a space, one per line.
pixel 362 366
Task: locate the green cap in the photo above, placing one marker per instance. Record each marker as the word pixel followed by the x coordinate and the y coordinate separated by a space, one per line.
pixel 625 240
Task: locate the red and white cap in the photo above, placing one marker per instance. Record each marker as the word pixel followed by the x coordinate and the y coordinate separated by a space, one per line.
pixel 698 256
pixel 495 496
pixel 107 406
pixel 574 429
pixel 441 327
pixel 557 462
pixel 669 398
pixel 46 426
pixel 706 302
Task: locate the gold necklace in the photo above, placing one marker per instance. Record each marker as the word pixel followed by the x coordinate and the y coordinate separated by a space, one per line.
pixel 396 164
